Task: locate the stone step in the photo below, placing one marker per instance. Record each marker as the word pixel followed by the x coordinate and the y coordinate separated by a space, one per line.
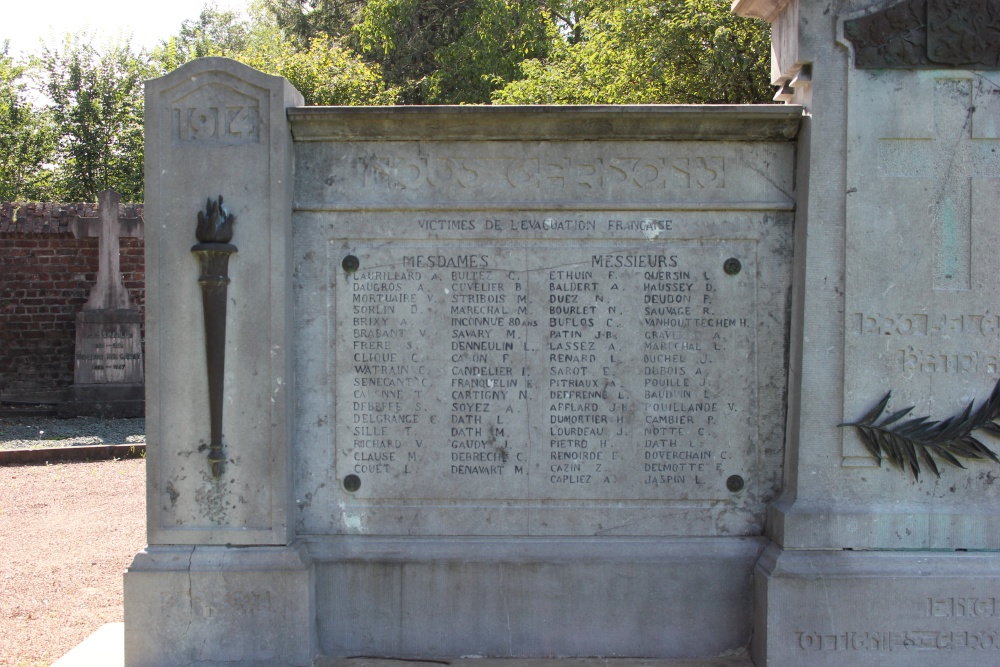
pixel 105 648
pixel 734 661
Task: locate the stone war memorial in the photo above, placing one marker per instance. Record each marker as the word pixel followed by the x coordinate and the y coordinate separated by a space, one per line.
pixel 107 360
pixel 703 383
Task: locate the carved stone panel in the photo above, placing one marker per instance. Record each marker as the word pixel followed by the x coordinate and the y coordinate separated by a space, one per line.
pixel 921 318
pixel 201 117
pixel 964 33
pixel 217 127
pixel 928 34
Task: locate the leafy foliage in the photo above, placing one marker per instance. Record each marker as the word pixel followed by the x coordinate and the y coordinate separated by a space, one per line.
pixel 213 33
pixel 97 110
pixel 451 51
pixel 27 138
pixel 362 52
pixel 915 440
pixel 325 72
pixel 305 20
pixel 652 51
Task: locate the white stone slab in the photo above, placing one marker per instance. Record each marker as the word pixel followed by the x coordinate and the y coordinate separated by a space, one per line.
pixel 510 359
pixel 105 647
pixel 216 127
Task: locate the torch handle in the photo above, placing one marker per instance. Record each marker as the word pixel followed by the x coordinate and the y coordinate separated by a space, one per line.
pixel 214 281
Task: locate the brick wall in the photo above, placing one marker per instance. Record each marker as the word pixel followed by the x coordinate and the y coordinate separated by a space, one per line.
pixel 45 278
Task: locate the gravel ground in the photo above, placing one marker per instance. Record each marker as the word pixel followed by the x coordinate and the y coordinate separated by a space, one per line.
pixel 67 533
pixel 32 432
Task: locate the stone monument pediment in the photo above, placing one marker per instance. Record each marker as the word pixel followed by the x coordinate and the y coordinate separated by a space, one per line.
pixel 215 109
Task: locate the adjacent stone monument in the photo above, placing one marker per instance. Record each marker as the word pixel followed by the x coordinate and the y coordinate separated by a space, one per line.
pixel 895 291
pixel 107 367
pixel 585 381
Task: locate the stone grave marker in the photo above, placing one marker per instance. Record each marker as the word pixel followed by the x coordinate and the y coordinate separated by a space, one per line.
pixel 108 365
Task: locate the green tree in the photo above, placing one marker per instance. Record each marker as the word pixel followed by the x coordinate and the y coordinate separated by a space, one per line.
pixel 27 139
pixel 324 71
pixel 304 20
pixel 213 33
pixel 652 51
pixel 452 51
pixel 97 109
pixel 570 17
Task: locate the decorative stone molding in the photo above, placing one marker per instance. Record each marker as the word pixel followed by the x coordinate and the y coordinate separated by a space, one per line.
pixel 928 34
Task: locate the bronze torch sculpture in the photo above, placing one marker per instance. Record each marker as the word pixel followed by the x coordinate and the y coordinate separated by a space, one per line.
pixel 215 231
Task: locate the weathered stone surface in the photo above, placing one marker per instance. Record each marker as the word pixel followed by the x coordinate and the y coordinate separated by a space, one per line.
pixel 107 401
pixel 455 294
pixel 534 598
pixel 922 322
pixel 188 606
pixel 603 371
pixel 452 300
pixel 928 34
pixel 886 608
pixel 109 347
pixel 108 360
pixel 513 341
pixel 493 356
pixel 108 292
pixel 218 127
pixel 891 292
pixel 492 326
pixel 916 303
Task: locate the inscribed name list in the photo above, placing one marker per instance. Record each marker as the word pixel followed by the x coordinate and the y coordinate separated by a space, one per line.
pixel 593 369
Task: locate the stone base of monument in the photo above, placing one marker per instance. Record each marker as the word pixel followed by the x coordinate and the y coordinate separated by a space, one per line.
pixel 107 401
pixel 534 597
pixel 886 608
pixel 440 598
pixel 546 662
pixel 250 606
